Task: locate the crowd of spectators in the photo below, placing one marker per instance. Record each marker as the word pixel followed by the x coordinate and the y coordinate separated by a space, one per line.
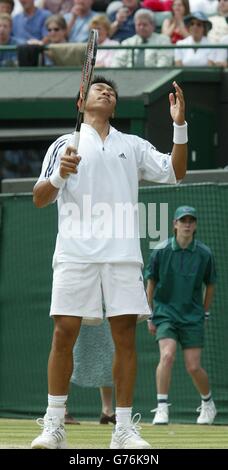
pixel 64 25
pixel 126 23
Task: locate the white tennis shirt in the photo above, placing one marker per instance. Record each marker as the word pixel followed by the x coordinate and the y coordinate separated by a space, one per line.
pixel 98 217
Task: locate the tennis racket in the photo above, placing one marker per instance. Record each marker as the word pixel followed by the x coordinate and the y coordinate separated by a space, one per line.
pixel 86 78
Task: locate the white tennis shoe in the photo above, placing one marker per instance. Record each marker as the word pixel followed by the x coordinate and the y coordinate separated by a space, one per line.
pixel 161 414
pixel 207 412
pixel 53 435
pixel 128 437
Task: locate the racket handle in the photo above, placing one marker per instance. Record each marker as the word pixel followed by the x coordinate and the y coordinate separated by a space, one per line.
pixel 74 139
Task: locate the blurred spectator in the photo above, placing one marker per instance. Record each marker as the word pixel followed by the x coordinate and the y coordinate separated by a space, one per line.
pixel 7 58
pixel 6 6
pixel 174 27
pixel 78 20
pixel 122 21
pixel 57 29
pixel 57 34
pixel 105 57
pixel 221 55
pixel 145 27
pixel 219 22
pixel 198 26
pixel 30 24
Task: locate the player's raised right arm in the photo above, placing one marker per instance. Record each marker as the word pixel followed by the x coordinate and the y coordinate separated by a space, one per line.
pixel 45 192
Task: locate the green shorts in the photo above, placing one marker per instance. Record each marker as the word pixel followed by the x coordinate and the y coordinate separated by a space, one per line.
pixel 189 336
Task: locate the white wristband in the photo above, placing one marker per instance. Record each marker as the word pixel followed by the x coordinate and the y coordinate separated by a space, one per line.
pixel 180 133
pixel 56 180
pixel 206 314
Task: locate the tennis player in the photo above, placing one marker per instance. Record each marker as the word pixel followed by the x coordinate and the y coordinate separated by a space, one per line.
pixel 176 274
pixel 93 256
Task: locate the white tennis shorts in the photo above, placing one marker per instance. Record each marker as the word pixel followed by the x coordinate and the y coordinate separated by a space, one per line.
pixel 78 290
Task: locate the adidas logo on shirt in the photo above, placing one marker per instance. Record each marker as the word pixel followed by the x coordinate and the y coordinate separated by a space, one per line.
pixel 121 155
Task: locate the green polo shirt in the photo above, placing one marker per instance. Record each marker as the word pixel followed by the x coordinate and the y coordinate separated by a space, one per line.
pixel 179 275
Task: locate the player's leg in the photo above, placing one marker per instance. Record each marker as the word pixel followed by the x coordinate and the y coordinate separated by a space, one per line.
pixel 124 367
pixel 167 347
pixel 192 358
pixel 125 435
pixel 71 284
pixel 60 367
pixel 60 363
pixel 125 300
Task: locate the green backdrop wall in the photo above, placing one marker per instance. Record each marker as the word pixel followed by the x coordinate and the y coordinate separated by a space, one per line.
pixel 27 238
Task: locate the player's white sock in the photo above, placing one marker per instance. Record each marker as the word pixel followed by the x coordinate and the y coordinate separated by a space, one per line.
pixel 162 398
pixel 56 405
pixel 123 416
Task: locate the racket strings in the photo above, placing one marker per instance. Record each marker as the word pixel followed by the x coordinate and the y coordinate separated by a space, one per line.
pixel 88 67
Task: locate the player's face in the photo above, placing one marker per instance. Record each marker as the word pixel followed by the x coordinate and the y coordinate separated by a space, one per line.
pixel 101 97
pixel 185 226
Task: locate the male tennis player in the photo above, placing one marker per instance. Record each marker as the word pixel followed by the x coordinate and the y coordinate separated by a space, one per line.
pixel 176 273
pixel 93 254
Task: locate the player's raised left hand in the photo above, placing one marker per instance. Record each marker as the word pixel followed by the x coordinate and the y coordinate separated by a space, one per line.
pixel 177 105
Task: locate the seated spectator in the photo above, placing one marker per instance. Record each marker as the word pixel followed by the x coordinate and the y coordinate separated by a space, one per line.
pixel 122 21
pixel 78 20
pixel 145 27
pixel 221 55
pixel 219 22
pixel 57 33
pixel 174 27
pixel 6 6
pixel 30 24
pixel 198 26
pixel 105 57
pixel 57 29
pixel 7 58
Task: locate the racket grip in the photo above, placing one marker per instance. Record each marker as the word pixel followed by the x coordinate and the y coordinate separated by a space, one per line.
pixel 74 139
